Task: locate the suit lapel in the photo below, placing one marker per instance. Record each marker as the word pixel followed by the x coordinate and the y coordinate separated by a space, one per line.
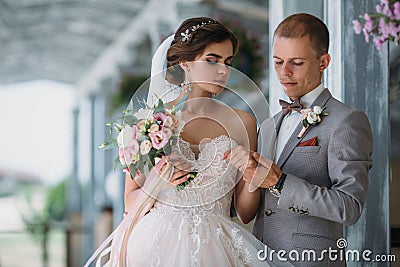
pixel 278 118
pixel 293 141
pixel 267 136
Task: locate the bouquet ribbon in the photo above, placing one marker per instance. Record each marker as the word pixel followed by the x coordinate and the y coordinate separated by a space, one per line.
pixel 116 243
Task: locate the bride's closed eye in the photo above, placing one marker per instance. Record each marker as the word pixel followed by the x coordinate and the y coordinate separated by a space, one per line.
pixel 212 61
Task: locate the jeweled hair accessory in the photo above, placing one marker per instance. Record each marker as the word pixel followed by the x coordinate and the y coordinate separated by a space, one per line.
pixel 186 35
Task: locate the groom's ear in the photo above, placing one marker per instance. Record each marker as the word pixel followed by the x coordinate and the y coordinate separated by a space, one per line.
pixel 324 61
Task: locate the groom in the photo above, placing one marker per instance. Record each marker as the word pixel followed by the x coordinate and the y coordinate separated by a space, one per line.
pixel 312 181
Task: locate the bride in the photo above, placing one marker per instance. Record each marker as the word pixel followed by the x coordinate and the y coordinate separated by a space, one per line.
pixel 193 227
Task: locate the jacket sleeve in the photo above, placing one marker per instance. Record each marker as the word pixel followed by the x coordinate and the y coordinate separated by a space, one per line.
pixel 349 160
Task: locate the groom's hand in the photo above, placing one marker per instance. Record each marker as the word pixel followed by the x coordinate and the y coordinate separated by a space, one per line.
pixel 265 174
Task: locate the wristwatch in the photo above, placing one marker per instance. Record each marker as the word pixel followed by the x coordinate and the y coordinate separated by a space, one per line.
pixel 277 188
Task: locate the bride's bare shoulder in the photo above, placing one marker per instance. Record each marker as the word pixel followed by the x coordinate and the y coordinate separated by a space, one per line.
pixel 246 117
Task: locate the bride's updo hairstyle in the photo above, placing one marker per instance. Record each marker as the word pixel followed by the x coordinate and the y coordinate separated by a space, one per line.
pixel 190 40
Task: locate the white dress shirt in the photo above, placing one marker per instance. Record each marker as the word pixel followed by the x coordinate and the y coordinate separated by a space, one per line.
pixel 293 118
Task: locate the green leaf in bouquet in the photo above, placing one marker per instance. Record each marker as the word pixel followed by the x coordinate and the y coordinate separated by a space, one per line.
pixel 146 170
pixel 140 165
pixel 110 144
pixel 173 110
pixel 132 172
pixel 147 125
pixel 130 120
pixel 110 124
pixel 167 149
pixel 152 153
pixel 159 107
pixel 104 145
pixel 182 186
pixel 127 111
pixel 143 137
pixel 117 164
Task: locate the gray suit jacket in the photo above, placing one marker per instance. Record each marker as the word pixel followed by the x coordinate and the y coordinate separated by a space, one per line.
pixel 326 185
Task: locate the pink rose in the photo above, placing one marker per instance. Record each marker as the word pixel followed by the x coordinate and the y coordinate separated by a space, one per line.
pixel 160 139
pixel 129 154
pixel 159 118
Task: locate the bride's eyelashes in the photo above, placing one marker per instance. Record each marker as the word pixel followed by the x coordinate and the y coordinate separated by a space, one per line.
pixel 211 61
pixel 227 62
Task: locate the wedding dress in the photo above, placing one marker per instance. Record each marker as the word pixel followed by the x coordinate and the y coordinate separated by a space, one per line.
pixel 192 227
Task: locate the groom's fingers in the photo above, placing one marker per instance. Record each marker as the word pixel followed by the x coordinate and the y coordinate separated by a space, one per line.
pixel 264 161
pixel 240 158
pixel 242 162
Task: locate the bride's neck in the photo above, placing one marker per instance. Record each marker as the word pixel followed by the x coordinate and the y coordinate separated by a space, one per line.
pixel 198 101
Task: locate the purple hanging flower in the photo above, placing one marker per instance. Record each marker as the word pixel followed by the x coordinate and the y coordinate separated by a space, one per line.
pixel 382 26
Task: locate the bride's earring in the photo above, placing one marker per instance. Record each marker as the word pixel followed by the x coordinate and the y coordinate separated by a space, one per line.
pixel 186 85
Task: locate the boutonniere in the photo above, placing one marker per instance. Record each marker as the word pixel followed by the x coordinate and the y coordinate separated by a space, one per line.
pixel 311 117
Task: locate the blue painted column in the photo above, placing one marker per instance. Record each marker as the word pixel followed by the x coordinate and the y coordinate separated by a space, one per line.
pixel 364 78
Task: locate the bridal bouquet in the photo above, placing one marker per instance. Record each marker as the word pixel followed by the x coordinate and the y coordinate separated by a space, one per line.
pixel 144 137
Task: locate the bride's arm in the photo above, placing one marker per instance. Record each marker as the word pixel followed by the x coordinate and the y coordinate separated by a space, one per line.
pixel 246 203
pixel 133 186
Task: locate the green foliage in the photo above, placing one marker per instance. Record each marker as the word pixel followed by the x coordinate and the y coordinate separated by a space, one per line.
pixel 39 222
pixel 56 201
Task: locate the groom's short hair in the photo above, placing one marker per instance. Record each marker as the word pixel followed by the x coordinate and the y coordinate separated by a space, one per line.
pixel 303 24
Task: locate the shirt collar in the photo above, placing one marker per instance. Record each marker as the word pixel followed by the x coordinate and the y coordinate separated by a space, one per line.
pixel 311 96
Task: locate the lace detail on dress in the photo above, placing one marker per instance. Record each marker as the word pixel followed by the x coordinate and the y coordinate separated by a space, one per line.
pixel 192 227
pixel 215 180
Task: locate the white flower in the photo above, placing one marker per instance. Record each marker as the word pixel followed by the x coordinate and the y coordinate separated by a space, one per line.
pixel 186 35
pixel 142 114
pixel 127 136
pixel 317 110
pixel 145 147
pixel 312 117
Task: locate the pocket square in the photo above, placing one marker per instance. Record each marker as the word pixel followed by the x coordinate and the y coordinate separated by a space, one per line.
pixel 310 142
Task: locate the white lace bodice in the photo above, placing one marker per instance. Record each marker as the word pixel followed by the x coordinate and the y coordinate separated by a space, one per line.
pixel 212 189
pixel 192 227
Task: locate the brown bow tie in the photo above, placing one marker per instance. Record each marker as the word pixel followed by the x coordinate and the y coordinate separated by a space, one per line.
pixel 287 107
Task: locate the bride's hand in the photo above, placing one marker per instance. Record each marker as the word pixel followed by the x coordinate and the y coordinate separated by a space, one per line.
pixel 182 169
pixel 240 158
